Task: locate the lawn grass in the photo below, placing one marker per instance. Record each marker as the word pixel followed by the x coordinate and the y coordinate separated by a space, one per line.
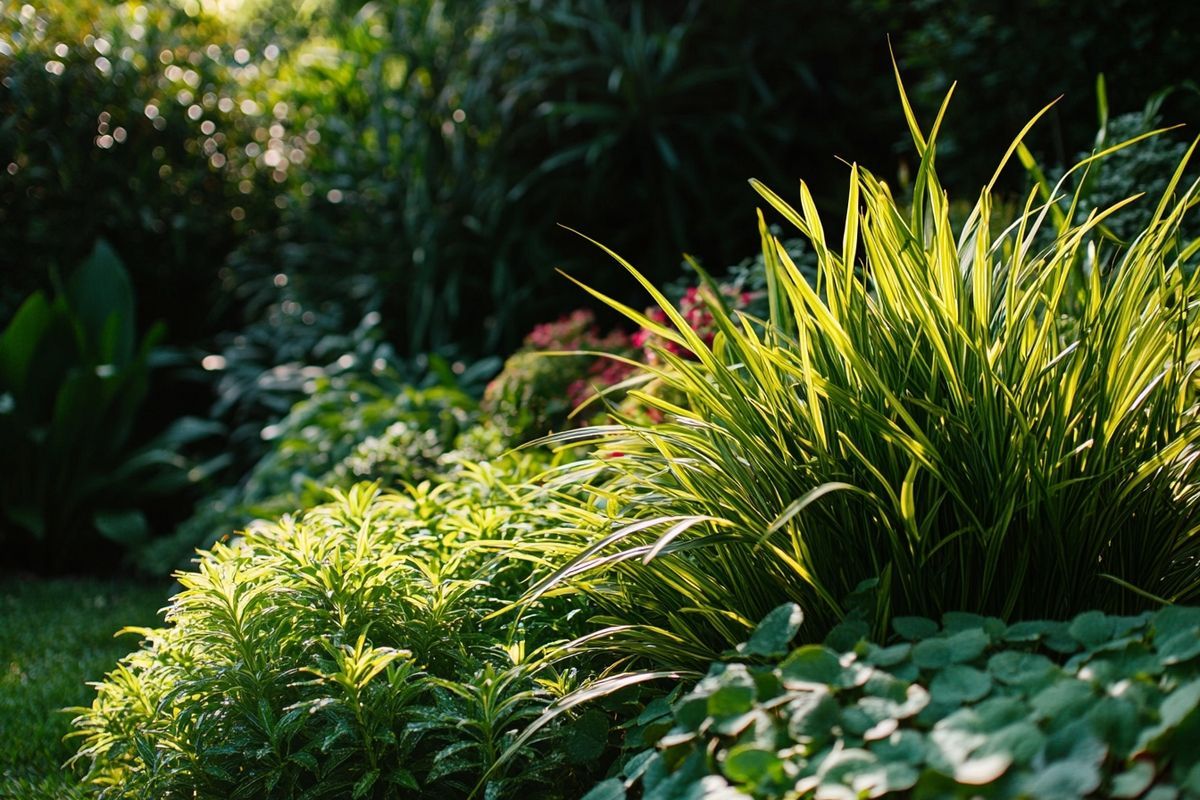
pixel 55 636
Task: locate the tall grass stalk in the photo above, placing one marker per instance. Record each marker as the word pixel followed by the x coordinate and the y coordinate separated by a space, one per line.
pixel 993 417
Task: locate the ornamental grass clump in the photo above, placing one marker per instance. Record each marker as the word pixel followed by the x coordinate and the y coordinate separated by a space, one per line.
pixel 994 418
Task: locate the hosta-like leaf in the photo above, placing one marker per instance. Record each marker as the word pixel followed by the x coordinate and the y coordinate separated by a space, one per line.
pixel 959 684
pixel 811 664
pixel 775 632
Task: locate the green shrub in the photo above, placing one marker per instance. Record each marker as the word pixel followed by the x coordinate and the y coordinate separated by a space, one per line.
pixel 977 423
pixel 352 426
pixel 1100 706
pixel 1146 165
pixel 73 381
pixel 950 42
pixel 350 652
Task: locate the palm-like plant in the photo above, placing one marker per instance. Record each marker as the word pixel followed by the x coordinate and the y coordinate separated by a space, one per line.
pixel 974 418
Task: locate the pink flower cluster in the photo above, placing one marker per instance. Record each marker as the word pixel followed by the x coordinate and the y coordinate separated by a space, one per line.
pixel 603 373
pixel 575 331
pixel 698 317
pixel 578 331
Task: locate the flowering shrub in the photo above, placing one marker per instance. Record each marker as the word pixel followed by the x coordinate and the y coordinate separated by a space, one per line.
pixel 698 316
pixel 536 392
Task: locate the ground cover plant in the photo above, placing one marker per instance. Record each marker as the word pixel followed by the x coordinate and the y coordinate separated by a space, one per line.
pixel 55 635
pixel 1097 706
pixel 971 419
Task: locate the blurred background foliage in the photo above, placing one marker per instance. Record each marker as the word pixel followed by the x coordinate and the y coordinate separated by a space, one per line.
pixel 314 190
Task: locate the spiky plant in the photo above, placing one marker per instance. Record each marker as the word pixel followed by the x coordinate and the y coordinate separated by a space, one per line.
pixel 970 418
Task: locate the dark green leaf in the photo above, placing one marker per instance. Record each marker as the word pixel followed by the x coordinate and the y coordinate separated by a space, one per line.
pixel 1133 782
pixel 1064 779
pixel 1091 628
pixel 959 684
pixel 611 789
pixel 1021 669
pixel 811 664
pixel 913 628
pixel 750 764
pixel 775 632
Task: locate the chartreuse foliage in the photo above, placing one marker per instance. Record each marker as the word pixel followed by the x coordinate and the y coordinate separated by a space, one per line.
pixel 1100 706
pixel 973 419
pixel 350 653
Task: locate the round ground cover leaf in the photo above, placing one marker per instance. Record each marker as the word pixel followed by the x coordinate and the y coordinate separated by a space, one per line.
pixel 952 743
pixel 711 787
pixel 775 632
pixel 905 746
pixel 1111 667
pixel 1173 620
pixel 842 765
pixel 968 645
pixel 982 770
pixel 611 789
pixel 1133 781
pixel 750 764
pixel 1015 668
pixel 857 721
pixel 888 656
pixel 1180 703
pixel 1059 639
pixel 1021 741
pixel 1064 780
pixel 810 664
pixel 1091 629
pixel 1177 706
pixel 1180 647
pixel 735 694
pixel 932 654
pixel 847 634
pixel 883 685
pixel 1027 630
pixel 812 715
pixel 1066 698
pixel 956 621
pixel 996 712
pixel 959 684
pixel 883 779
pixel 913 628
pixel 909 701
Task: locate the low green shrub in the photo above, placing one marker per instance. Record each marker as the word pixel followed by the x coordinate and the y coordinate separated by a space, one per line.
pixel 352 652
pixel 977 423
pixel 73 381
pixel 1100 706
pixel 351 427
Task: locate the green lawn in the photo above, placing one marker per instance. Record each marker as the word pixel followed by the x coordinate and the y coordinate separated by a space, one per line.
pixel 55 635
